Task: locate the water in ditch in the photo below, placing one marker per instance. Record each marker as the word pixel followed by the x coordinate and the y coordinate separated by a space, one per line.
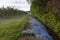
pixel 38 29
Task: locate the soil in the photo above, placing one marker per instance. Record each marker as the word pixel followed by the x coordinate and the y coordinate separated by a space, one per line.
pixel 27 36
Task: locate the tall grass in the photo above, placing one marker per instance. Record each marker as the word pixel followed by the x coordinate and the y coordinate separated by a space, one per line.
pixel 11 27
pixel 12 22
pixel 49 17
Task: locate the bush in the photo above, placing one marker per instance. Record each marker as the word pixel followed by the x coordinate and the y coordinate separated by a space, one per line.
pixel 49 17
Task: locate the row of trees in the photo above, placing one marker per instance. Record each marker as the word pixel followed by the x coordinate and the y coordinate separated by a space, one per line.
pixel 4 12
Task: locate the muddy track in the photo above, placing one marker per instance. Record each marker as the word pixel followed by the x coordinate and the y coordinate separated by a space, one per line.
pixel 27 36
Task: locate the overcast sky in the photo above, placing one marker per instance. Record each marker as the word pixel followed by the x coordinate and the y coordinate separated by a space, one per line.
pixel 19 4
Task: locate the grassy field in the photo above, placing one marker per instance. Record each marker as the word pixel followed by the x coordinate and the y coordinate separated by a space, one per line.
pixel 11 27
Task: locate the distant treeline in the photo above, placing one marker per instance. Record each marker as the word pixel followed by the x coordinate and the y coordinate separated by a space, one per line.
pixel 5 12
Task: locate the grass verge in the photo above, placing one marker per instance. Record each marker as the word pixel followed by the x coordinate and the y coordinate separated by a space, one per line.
pixel 11 28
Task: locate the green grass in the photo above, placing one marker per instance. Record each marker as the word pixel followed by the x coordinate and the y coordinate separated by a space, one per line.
pixel 51 19
pixel 11 28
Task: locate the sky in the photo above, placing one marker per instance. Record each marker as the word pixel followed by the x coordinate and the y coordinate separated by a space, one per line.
pixel 19 4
